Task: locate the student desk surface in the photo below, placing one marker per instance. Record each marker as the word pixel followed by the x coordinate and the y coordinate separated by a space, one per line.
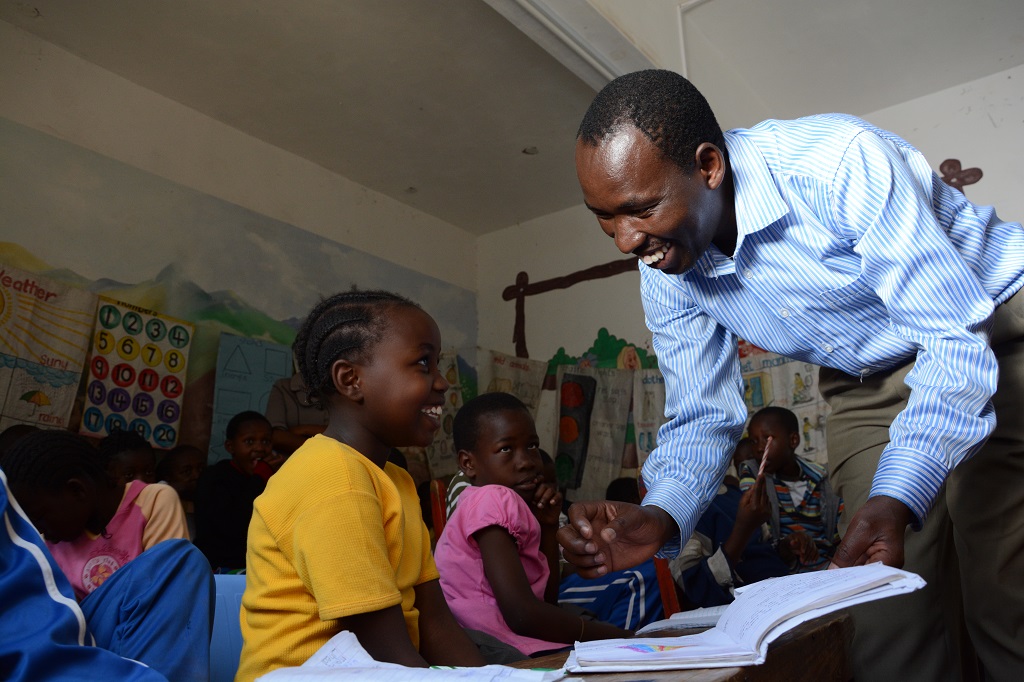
pixel 815 651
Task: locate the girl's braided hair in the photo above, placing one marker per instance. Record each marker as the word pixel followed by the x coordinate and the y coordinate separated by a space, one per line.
pixel 344 326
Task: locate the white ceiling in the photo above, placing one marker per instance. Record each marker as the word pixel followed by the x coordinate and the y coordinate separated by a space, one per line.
pixel 432 102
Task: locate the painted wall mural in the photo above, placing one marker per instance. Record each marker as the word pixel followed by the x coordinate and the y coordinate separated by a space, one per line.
pixel 90 222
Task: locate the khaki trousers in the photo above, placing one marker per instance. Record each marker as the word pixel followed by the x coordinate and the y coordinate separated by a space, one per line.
pixel 971 548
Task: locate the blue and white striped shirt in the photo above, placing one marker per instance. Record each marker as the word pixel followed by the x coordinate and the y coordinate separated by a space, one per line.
pixel 851 254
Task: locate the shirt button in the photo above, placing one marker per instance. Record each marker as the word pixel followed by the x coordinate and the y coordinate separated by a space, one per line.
pixel 748 273
pixel 828 348
pixel 784 312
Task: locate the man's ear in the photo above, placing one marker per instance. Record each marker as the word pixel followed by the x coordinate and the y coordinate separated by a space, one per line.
pixel 347 381
pixel 710 164
pixel 794 440
pixel 466 464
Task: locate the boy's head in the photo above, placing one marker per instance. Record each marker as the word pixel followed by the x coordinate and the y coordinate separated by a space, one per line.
pixel 497 444
pixel 782 427
pixel 129 457
pixel 180 468
pixel 248 439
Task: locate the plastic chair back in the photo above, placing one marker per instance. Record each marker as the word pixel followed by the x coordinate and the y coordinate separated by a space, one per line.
pixel 226 641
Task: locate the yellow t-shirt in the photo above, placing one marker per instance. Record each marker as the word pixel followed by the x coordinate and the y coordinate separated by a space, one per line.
pixel 333 535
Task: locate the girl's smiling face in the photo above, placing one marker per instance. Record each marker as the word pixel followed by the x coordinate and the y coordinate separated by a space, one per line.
pixel 400 386
pixel 507 453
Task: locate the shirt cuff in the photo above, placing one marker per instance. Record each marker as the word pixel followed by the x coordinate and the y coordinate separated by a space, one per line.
pixel 680 504
pixel 912 478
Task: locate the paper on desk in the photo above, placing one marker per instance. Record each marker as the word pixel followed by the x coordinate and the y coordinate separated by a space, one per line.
pixel 706 617
pixel 343 658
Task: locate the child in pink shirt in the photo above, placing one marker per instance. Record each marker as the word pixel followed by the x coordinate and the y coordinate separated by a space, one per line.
pixel 144 590
pixel 497 556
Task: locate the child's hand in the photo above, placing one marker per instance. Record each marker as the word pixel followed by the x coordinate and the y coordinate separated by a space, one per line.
pixel 801 547
pixel 547 504
pixel 754 508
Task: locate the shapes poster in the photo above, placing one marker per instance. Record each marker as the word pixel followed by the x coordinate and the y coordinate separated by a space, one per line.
pixel 44 337
pixel 136 373
pixel 246 371
pixel 522 377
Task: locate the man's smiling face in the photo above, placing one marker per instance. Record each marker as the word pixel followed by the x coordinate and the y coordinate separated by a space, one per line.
pixel 650 206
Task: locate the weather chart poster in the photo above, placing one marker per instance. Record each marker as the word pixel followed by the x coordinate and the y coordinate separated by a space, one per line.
pixel 136 373
pixel 44 337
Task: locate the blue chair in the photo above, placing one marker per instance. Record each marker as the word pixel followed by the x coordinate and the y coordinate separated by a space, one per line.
pixel 226 641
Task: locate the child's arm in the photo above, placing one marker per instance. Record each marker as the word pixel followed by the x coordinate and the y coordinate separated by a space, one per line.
pixel 442 639
pixel 546 506
pixel 523 612
pixel 382 633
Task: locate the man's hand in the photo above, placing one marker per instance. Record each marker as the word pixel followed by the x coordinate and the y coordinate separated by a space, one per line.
pixel 876 533
pixel 610 536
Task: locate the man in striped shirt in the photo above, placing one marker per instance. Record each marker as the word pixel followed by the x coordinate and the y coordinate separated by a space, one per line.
pixel 831 241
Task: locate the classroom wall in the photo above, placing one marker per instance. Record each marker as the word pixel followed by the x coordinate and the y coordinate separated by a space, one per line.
pixel 980 122
pixel 51 90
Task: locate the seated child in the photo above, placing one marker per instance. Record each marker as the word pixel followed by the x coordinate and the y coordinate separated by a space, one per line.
pixel 804 510
pixel 729 547
pixel 115 546
pixel 180 468
pixel 337 541
pixel 498 557
pixel 629 598
pixel 226 491
pixel 129 457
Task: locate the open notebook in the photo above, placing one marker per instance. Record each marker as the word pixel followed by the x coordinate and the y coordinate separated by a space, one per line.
pixel 762 612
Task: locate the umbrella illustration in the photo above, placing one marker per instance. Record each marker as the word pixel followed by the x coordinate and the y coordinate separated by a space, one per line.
pixel 36 398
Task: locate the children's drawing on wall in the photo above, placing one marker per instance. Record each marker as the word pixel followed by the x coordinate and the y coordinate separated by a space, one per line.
pixel 193 256
pixel 522 377
pixel 771 379
pixel 802 383
pixel 45 328
pixel 648 410
pixel 440 456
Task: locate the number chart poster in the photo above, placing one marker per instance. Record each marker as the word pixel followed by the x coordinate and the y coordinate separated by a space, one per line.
pixel 44 338
pixel 136 373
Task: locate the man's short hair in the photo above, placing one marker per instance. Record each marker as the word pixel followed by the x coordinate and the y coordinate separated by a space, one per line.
pixel 666 107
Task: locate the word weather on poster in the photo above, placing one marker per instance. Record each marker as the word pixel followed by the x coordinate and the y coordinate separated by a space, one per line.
pixel 45 328
pixel 136 373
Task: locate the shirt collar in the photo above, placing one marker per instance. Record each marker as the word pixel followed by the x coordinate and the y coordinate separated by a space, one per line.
pixel 758 201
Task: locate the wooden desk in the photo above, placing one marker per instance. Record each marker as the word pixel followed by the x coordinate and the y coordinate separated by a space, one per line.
pixel 817 651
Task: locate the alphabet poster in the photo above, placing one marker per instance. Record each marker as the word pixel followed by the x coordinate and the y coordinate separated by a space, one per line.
pixel 136 373
pixel 44 337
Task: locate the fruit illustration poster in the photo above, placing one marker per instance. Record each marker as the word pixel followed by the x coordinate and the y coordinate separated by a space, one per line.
pixel 44 337
pixel 136 373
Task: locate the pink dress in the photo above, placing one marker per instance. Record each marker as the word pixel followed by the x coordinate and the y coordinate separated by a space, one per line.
pixel 461 565
pixel 88 561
